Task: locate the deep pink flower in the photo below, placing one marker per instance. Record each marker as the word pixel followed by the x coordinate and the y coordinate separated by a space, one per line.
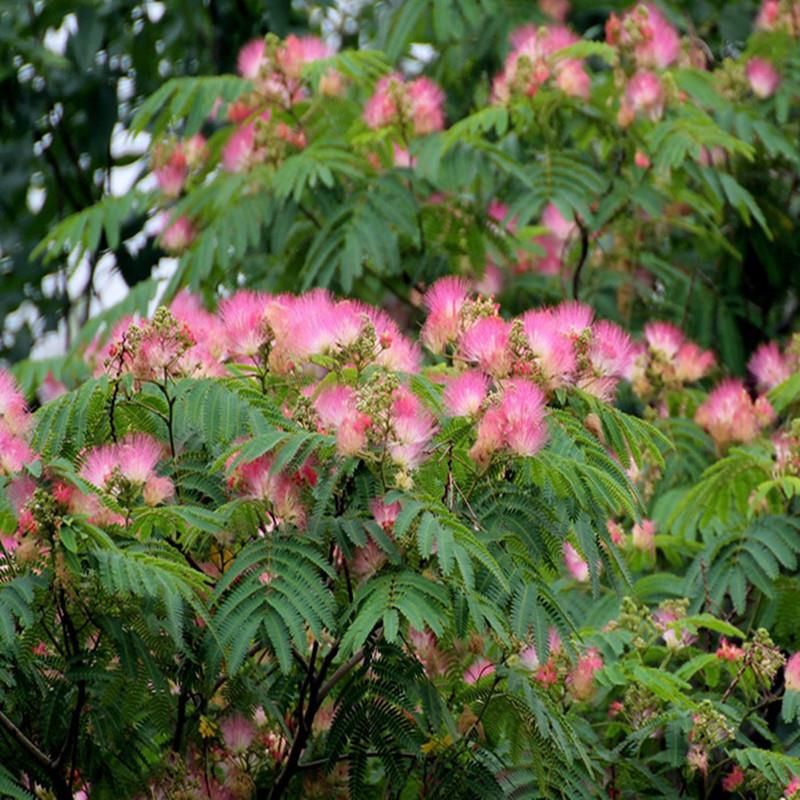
pixel 244 326
pixel 238 733
pixel 486 344
pixel 656 42
pixel 336 407
pixel 664 339
pixel 465 393
pixel 255 479
pixel 763 77
pixel 444 301
pixel 643 536
pixel 611 352
pixel 171 174
pixel 734 779
pixel 522 406
pixel 554 353
pixel 297 51
pixel 427 105
pixel 394 102
pixel 490 435
pixel 14 453
pixel 730 415
pixel 384 514
pixel 237 154
pixel 728 652
pixel 572 318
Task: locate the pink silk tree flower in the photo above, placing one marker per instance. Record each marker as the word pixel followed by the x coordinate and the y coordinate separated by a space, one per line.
pixel 645 93
pixel 178 234
pixel 572 318
pixel 791 673
pixel 486 344
pixel 762 77
pixel 466 393
pixel 553 353
pixel 480 668
pixel 237 154
pixel 444 301
pixel 251 59
pixel 577 566
pixel 693 363
pixel 729 414
pixel 244 324
pixel 490 436
pixel 580 681
pixel 413 427
pixel 297 51
pixel 385 514
pixel 238 733
pixel 769 366
pixel 611 352
pixel 14 453
pixel 427 105
pixel 14 416
pixel 522 406
pixel 643 536
pixel 664 339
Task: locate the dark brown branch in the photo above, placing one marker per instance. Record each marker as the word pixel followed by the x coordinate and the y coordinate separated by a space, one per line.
pixel 576 276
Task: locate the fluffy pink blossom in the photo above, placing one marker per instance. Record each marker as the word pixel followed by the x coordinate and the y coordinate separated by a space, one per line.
pixel 178 234
pixel 14 453
pixel 664 339
pixel 577 566
pixel 531 63
pixel 611 352
pixel 244 325
pixel 480 668
pixel 137 455
pixel 427 105
pixel 238 733
pixel 572 318
pixel 256 479
pixel 486 344
pixel 466 393
pixel 644 93
pixel 730 415
pixel 171 173
pixel 792 788
pixel 656 43
pixel 14 416
pixel 157 489
pixel 336 407
pixel 490 435
pixel 769 366
pixel 413 427
pixel 444 301
pixel 791 673
pixel 643 536
pixel 297 51
pixel 425 647
pixel 674 637
pixel 384 514
pixel 554 353
pixel 396 351
pixel 251 58
pixel 693 363
pixel 580 680
pixel 237 154
pixel 763 77
pixel 418 103
pixel 367 560
pixel 522 406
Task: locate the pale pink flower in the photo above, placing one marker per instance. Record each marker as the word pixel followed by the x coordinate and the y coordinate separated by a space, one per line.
pixel 367 560
pixel 251 59
pixel 157 489
pixel 697 758
pixel 424 646
pixel 664 338
pixel 384 514
pixel 20 489
pixel 561 227
pixel 99 464
pixel 643 536
pixel 673 637
pixel 580 680
pixel 693 363
pixel 381 109
pixel 769 366
pixel 768 14
pixel 763 77
pixel 444 301
pixel 730 415
pixel 14 453
pixel 791 673
pixel 645 93
pixel 486 344
pixel 522 406
pixel 480 668
pixel 50 388
pixel 465 394
pixel 396 351
pixel 237 154
pixel 178 234
pixel 656 42
pixel 413 427
pixel 615 531
pixel 577 566
pixel 297 51
pixel 13 412
pixel 336 407
pixel 137 455
pixel 238 733
pixel 528 658
pixel 171 174
pixel 255 479
pixel 244 326
pixel 427 105
pixel 491 282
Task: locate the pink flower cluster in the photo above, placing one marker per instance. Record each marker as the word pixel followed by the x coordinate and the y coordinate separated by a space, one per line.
pixel 174 160
pixel 666 359
pixel 779 15
pixel 534 60
pixel 730 415
pixel 416 105
pixel 15 422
